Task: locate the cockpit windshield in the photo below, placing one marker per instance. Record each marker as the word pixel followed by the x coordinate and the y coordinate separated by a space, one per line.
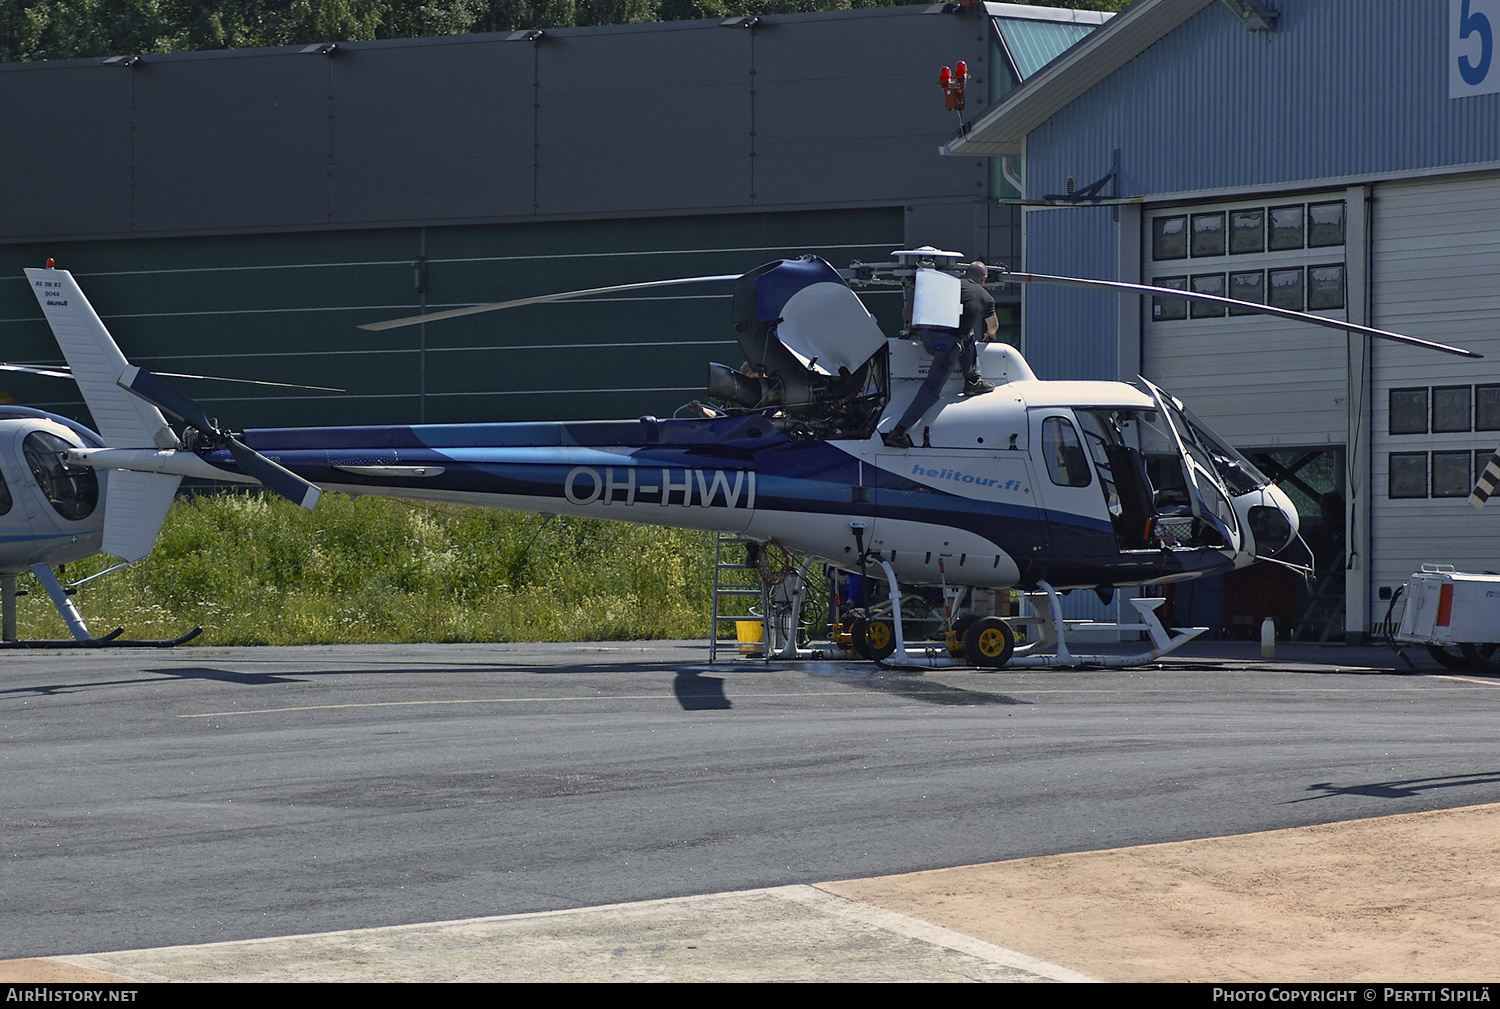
pixel 73 491
pixel 1238 473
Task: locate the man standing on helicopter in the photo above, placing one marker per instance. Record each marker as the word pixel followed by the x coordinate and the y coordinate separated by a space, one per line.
pixel 977 321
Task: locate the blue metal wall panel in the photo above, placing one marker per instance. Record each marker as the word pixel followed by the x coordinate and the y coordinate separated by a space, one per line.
pixel 1072 334
pixel 1341 88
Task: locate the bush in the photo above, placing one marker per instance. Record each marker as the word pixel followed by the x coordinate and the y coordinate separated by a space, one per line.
pixel 254 569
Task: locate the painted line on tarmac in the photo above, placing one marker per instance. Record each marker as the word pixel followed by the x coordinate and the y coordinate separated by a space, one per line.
pixel 1464 679
pixel 783 933
pixel 520 700
pixel 1009 690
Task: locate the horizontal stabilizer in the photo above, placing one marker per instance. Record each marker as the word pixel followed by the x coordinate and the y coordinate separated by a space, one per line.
pixel 135 508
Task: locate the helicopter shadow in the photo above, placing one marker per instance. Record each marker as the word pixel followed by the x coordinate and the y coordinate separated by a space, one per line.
pixel 1402 789
pixel 696 692
pixel 895 682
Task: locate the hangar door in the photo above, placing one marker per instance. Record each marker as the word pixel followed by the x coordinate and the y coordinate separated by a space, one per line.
pixel 1256 380
pixel 1276 389
pixel 1434 418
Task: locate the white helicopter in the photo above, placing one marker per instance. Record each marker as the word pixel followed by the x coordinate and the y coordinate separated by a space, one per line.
pixel 52 513
pixel 1043 486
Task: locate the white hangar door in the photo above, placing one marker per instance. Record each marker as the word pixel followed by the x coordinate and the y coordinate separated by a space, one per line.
pixel 1259 382
pixel 1275 389
pixel 1435 273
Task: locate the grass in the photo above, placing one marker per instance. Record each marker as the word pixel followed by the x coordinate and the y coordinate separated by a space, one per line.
pixel 255 570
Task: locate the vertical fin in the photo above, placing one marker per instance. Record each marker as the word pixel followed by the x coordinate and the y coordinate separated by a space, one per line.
pixel 96 362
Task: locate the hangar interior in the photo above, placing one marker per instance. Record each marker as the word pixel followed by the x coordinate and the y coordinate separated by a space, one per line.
pixel 1338 157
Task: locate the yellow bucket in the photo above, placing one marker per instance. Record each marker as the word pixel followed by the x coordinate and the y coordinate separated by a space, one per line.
pixel 751 634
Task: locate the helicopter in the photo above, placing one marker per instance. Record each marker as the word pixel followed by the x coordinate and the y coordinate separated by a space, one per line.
pixel 52 513
pixel 1045 486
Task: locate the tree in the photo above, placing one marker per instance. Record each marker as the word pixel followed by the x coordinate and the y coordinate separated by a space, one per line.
pixel 71 29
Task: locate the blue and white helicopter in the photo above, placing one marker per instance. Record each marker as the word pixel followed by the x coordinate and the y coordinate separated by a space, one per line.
pixel 1038 485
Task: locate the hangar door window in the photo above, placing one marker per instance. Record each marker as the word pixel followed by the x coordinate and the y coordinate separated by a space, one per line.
pixel 1285 255
pixel 1438 410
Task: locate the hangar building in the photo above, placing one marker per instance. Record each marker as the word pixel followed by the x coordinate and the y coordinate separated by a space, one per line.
pixel 1337 156
pixel 241 212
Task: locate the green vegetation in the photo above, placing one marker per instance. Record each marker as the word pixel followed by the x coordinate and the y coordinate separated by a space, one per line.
pixel 253 569
pixel 71 29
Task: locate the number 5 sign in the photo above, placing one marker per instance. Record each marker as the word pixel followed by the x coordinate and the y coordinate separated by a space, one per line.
pixel 1473 33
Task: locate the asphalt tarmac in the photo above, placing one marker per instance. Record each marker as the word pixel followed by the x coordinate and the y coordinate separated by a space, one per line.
pixel 202 795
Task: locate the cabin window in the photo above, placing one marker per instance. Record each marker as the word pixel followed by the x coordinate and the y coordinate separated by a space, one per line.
pixel 1066 463
pixel 5 499
pixel 73 491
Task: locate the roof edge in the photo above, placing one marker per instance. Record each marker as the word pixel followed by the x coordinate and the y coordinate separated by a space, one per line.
pixel 1003 130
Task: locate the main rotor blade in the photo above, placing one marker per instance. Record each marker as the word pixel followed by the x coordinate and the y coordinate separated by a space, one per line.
pixel 273 476
pixel 26 369
pixel 248 381
pixel 454 313
pixel 1283 313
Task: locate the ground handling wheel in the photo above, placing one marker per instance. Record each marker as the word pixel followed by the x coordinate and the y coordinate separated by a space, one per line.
pixel 879 638
pixel 989 642
pixel 1482 657
pixel 1448 656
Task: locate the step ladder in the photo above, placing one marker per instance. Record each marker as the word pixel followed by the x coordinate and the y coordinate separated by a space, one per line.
pixel 737 584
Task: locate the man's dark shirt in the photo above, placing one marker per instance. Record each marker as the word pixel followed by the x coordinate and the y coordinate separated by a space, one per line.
pixel 975 306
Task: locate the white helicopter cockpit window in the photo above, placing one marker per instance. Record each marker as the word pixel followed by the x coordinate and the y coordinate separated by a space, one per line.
pixel 5 499
pixel 73 491
pixel 1239 474
pixel 1066 463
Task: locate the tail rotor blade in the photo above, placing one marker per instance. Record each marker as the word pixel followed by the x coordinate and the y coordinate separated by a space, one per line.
pixel 273 476
pixel 162 396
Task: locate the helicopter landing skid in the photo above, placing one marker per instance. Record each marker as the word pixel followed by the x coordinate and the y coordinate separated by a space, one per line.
pixel 110 640
pixel 82 637
pixel 1048 609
